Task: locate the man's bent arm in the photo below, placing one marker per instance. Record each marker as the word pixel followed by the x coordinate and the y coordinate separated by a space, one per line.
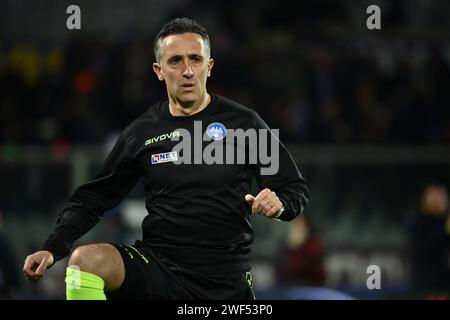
pixel 288 183
pixel 118 175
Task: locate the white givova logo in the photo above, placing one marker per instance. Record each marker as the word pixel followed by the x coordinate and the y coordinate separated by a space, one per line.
pixel 374 280
pixel 237 147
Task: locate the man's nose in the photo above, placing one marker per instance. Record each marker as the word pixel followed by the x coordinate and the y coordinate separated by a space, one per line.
pixel 188 72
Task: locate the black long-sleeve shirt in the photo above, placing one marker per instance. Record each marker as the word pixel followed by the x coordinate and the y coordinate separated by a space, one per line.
pixel 197 214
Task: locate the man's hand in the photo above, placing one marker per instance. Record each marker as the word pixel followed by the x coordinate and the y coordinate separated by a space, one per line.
pixel 265 203
pixel 36 264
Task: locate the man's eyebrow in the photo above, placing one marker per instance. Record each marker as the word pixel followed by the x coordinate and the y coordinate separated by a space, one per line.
pixel 175 57
pixel 179 56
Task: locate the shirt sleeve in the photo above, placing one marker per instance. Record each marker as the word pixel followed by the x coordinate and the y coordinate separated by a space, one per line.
pixel 284 178
pixel 116 178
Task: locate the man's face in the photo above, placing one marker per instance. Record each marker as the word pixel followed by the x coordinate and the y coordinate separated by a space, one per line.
pixel 184 66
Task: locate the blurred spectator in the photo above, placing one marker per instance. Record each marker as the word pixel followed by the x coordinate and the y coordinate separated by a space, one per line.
pixel 301 262
pixel 430 242
pixel 9 277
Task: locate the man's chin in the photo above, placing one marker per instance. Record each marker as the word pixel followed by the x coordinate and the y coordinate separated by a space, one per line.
pixel 187 100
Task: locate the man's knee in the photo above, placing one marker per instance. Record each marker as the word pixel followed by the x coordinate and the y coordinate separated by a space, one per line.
pixel 101 259
pixel 86 258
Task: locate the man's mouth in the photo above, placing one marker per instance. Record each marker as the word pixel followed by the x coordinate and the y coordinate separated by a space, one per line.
pixel 188 87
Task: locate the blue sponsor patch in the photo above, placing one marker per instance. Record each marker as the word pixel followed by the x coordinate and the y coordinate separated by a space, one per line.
pixel 164 157
pixel 216 131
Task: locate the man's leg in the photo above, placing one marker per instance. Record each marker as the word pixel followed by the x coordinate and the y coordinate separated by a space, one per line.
pixel 93 269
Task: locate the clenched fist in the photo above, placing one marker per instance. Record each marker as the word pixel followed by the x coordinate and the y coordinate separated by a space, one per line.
pixel 265 203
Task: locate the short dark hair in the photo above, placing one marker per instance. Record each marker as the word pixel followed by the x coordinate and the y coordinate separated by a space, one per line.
pixel 180 26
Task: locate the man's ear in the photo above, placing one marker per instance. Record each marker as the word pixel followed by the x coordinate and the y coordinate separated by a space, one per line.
pixel 210 66
pixel 158 71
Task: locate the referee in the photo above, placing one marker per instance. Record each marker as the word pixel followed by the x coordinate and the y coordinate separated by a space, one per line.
pixel 197 235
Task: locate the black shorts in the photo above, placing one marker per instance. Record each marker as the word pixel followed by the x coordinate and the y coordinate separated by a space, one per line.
pixel 148 275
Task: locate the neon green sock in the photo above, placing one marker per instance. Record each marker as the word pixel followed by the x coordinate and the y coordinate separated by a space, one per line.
pixel 82 285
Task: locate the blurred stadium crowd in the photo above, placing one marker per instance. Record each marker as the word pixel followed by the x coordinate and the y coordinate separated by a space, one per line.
pixel 313 72
pixel 311 69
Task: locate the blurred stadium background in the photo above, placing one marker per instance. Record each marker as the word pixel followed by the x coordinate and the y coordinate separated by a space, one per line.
pixel 365 113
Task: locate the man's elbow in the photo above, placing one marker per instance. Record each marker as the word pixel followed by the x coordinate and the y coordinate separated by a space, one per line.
pixel 302 200
pixel 304 196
